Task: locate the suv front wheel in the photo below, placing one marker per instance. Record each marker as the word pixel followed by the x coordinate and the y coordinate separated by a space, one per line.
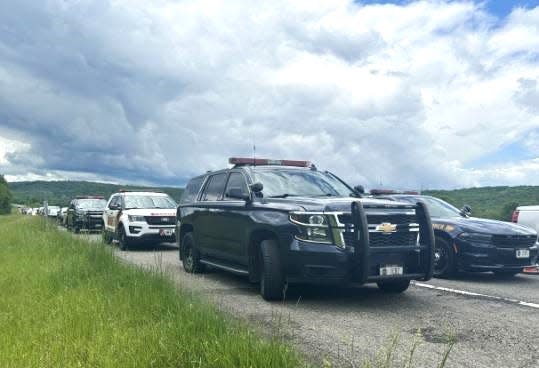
pixel 272 280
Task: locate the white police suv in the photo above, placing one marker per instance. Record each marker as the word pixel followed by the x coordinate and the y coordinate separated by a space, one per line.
pixel 136 217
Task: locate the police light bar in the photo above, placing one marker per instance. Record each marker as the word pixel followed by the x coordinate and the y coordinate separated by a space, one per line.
pixel 242 161
pixel 90 197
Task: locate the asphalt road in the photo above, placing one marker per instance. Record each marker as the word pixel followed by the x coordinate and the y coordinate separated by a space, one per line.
pixel 347 326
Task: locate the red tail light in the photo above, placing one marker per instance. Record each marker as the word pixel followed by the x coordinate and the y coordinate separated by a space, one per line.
pixel 514 218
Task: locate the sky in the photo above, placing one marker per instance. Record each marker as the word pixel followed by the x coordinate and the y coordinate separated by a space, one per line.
pixel 400 94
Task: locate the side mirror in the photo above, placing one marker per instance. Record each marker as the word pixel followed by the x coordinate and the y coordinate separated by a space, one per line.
pixel 256 187
pixel 359 189
pixel 237 193
pixel 466 210
pixel 116 207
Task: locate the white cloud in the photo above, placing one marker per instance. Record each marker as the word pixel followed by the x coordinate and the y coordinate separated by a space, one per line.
pixel 407 95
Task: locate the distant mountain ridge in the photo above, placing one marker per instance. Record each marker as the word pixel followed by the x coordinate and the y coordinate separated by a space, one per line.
pixel 33 193
pixel 490 202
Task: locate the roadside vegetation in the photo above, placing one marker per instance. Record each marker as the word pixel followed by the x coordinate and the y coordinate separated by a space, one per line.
pixel 5 197
pixel 490 202
pixel 68 303
pixel 59 193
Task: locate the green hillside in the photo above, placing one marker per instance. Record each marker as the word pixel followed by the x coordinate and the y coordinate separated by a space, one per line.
pixel 490 202
pixel 33 193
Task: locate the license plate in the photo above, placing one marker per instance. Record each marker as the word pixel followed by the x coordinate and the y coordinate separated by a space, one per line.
pixel 166 232
pixel 523 253
pixel 97 225
pixel 390 270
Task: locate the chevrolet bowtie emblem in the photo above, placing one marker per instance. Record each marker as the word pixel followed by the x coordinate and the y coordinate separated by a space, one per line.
pixel 386 227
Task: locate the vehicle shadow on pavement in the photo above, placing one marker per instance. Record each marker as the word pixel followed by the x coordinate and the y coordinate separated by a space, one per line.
pixel 364 296
pixel 161 247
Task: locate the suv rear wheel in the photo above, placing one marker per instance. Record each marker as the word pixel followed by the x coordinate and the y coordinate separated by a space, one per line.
pixel 271 275
pixel 107 238
pixel 190 255
pixel 123 239
pixel 397 286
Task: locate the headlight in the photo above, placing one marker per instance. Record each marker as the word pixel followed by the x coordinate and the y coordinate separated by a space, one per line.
pixel 314 227
pixel 134 218
pixel 476 237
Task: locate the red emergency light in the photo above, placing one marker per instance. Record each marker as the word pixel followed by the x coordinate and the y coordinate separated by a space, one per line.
pixel 245 161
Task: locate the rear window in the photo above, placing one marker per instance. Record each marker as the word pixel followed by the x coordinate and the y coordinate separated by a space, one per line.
pixel 191 190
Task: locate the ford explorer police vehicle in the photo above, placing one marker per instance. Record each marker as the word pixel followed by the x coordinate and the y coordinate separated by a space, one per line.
pixel 85 213
pixel 281 222
pixel 134 217
pixel 475 244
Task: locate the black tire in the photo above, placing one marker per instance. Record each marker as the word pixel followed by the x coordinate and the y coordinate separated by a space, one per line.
pixel 107 238
pixel 123 239
pixel 506 274
pixel 395 286
pixel 190 255
pixel 272 281
pixel 445 259
pixel 76 229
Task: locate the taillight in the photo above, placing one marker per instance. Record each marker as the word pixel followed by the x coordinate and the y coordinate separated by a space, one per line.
pixel 514 218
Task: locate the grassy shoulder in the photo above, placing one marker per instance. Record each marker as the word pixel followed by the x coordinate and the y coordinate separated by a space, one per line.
pixel 68 303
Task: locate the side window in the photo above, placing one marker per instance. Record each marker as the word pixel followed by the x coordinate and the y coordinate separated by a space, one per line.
pixel 215 188
pixel 191 190
pixel 236 182
pixel 113 201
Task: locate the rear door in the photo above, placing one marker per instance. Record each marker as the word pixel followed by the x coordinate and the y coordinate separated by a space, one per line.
pixel 111 214
pixel 208 221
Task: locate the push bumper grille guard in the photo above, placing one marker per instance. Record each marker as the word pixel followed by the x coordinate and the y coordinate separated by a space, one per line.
pixel 426 237
pixel 361 255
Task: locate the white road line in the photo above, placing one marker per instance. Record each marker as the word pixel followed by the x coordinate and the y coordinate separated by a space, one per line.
pixel 477 295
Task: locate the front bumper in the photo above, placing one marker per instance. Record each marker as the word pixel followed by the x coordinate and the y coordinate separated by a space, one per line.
pixel 145 232
pixel 486 257
pixel 90 222
pixel 319 263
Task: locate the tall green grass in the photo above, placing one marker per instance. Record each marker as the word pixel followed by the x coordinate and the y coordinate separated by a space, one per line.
pixel 67 303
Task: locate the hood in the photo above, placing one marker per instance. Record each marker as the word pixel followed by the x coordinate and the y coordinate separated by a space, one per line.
pixel 331 204
pixel 151 211
pixel 91 209
pixel 480 225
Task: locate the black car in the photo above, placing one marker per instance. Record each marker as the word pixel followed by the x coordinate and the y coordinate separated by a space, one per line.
pixel 85 213
pixel 475 244
pixel 281 222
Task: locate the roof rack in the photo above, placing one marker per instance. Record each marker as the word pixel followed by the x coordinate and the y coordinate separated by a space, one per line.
pixel 392 191
pixel 245 161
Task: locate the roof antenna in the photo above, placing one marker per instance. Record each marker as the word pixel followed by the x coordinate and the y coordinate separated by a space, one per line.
pixel 254 154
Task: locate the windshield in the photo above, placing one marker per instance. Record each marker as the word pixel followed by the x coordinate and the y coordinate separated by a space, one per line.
pixel 91 203
pixel 437 207
pixel 284 183
pixel 149 201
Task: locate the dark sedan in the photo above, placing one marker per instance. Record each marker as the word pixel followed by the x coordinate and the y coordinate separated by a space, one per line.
pixel 475 244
